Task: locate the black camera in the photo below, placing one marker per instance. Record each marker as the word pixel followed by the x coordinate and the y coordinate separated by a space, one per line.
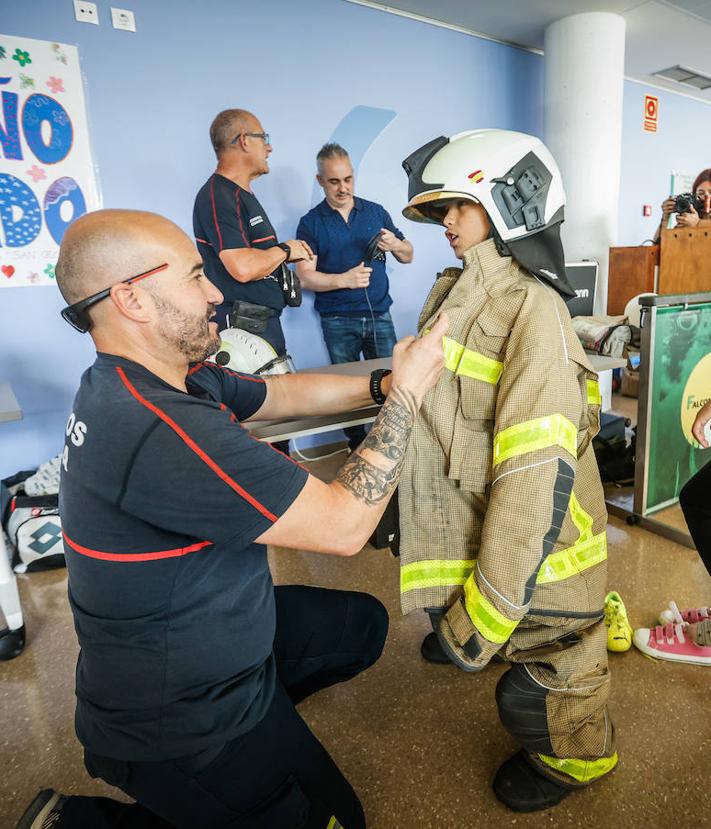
pixel 685 201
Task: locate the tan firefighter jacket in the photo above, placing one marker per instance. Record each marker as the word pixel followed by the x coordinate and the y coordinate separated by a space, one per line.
pixel 502 514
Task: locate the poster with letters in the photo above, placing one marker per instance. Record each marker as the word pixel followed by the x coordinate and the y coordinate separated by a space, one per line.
pixel 47 178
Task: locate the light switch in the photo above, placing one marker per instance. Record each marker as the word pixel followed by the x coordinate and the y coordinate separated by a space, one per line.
pixel 123 19
pixel 86 12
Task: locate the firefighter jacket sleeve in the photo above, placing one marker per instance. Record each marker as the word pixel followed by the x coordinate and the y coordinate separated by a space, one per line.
pixel 541 426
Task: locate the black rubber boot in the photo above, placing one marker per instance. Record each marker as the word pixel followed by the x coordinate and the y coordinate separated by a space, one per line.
pixel 523 788
pixel 44 810
pixel 432 651
pixel 11 642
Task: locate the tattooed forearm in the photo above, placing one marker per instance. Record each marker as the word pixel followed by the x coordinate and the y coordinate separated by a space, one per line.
pixel 372 472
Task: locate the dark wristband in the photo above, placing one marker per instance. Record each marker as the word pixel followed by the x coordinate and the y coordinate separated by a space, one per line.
pixel 286 249
pixel 376 379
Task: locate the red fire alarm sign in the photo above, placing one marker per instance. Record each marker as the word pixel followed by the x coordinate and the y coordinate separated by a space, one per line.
pixel 651 113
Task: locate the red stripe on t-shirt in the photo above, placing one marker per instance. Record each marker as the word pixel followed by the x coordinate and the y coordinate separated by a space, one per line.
pixel 191 444
pixel 237 374
pixel 264 239
pixel 214 211
pixel 239 216
pixel 178 551
pixel 202 241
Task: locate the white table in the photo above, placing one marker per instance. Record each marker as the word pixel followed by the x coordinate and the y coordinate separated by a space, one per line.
pixel 9 407
pixel 276 430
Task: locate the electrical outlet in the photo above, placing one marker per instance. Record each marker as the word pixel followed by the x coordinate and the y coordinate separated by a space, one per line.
pixel 123 19
pixel 86 12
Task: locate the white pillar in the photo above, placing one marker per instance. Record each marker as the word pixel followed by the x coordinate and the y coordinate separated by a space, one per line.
pixel 584 77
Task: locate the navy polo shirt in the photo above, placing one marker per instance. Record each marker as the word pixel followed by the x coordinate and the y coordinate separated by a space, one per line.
pixel 340 246
pixel 225 217
pixel 162 495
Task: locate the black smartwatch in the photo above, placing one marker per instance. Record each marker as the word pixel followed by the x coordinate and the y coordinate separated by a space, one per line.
pixel 286 249
pixel 376 379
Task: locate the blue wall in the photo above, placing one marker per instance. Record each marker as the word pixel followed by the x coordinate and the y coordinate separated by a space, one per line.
pixel 648 159
pixel 302 67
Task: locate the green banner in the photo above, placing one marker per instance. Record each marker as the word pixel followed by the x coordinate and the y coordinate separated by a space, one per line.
pixel 680 381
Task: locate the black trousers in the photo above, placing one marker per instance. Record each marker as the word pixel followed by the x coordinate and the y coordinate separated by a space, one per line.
pixel 278 775
pixel 695 502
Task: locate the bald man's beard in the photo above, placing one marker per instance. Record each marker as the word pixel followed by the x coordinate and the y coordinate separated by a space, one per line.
pixel 188 334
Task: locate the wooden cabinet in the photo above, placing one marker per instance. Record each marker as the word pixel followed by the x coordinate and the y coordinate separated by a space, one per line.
pixel 631 272
pixel 685 261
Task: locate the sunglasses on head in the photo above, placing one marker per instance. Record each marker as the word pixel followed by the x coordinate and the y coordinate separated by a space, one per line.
pixel 77 314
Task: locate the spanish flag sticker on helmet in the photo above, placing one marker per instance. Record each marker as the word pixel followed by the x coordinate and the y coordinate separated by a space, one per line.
pixel 477 176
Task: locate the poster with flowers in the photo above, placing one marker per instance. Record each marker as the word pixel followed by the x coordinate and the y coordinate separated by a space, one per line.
pixel 47 178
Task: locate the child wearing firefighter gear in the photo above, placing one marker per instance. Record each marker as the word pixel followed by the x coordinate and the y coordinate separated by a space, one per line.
pixel 502 510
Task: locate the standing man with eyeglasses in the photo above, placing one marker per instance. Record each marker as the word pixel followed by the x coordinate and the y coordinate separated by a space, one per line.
pixel 352 294
pixel 236 240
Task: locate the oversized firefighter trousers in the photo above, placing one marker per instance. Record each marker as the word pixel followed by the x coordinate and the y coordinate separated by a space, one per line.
pixel 502 514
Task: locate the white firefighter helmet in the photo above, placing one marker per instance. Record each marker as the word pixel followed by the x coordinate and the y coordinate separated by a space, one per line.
pixel 511 174
pixel 248 353
pixel 515 179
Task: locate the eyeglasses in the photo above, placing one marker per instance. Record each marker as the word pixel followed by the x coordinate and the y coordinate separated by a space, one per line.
pixel 76 315
pixel 263 135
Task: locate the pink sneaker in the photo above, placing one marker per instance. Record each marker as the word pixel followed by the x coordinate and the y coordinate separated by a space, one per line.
pixel 673 616
pixel 670 642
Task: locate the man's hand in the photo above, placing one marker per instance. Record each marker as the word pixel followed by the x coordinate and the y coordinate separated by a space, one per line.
pixel 418 363
pixel 702 418
pixel 299 251
pixel 358 277
pixel 388 240
pixel 690 219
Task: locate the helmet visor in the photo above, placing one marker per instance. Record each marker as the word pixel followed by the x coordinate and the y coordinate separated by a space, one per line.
pixel 432 207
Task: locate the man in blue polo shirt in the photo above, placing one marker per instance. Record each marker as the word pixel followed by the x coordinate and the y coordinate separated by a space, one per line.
pixel 191 661
pixel 352 296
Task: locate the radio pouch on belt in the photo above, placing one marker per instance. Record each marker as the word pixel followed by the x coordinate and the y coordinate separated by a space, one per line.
pixel 250 317
pixel 291 287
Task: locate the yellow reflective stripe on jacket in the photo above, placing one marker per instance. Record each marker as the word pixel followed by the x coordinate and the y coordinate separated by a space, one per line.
pixel 566 563
pixel 492 625
pixel 582 520
pixel 435 573
pixel 464 361
pixel 558 566
pixel 334 823
pixel 594 395
pixel 581 770
pixel 552 430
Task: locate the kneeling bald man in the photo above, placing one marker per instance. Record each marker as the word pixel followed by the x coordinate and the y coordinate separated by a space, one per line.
pixel 191 659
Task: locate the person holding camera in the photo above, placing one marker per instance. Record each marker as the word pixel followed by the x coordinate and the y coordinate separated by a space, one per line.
pixel 235 237
pixel 692 209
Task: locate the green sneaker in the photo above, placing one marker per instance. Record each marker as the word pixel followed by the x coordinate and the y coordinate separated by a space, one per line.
pixel 619 630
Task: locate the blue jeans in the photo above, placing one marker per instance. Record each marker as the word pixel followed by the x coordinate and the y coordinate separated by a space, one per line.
pixel 348 336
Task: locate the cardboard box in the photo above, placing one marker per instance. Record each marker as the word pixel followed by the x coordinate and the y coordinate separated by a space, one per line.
pixel 630 383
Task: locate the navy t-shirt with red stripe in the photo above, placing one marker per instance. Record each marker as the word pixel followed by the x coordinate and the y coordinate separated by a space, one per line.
pixel 162 496
pixel 227 217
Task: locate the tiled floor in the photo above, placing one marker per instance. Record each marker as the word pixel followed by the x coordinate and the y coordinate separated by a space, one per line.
pixel 419 742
